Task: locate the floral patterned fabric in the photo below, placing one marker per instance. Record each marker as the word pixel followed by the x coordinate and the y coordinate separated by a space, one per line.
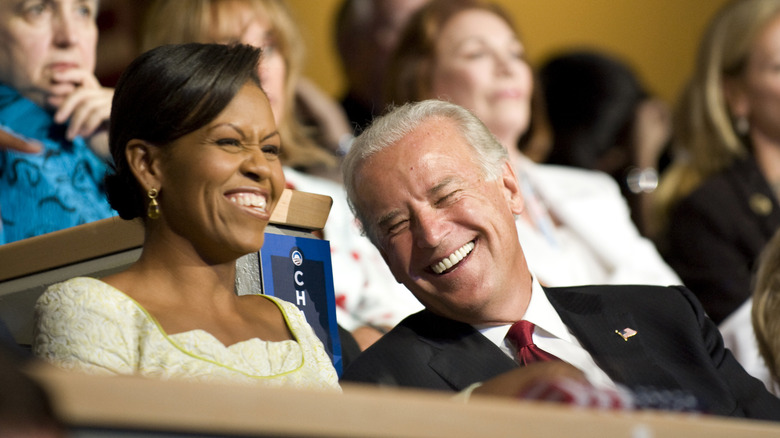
pixel 87 325
pixel 60 187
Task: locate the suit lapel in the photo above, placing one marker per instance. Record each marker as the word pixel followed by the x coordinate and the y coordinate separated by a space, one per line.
pixel 597 327
pixel 462 356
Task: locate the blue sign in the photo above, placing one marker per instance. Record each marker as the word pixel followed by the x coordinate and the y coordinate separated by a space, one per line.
pixel 298 270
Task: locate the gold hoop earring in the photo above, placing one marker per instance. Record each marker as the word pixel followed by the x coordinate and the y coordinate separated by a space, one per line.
pixel 153 211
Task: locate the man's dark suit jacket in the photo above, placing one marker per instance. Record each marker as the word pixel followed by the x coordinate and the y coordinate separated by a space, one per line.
pixel 676 348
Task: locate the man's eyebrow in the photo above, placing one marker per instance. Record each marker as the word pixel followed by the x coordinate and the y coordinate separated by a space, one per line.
pixel 442 185
pixel 388 217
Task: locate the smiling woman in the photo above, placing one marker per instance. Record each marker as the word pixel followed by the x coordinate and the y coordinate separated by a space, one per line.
pixel 196 154
pixel 211 178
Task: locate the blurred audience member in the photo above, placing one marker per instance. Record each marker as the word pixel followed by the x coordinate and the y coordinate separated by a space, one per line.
pixel 367 31
pixel 603 118
pixel 535 144
pixel 739 336
pixel 576 227
pixel 721 192
pixel 766 310
pixel 119 24
pixel 262 23
pixel 50 96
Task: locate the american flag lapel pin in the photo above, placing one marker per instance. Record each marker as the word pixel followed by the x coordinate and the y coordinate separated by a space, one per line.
pixel 626 333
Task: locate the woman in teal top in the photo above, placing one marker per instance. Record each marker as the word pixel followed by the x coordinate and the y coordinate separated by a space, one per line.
pixel 57 188
pixel 49 94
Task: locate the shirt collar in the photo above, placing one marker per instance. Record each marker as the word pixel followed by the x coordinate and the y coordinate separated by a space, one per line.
pixel 540 312
pixel 543 314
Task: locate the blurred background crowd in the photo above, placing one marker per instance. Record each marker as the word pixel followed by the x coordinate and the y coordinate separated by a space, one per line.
pixel 645 137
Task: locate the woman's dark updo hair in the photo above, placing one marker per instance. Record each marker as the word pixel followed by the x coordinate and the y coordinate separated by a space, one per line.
pixel 164 94
pixel 591 99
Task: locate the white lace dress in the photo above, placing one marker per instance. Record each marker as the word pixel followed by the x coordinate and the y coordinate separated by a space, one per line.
pixel 87 325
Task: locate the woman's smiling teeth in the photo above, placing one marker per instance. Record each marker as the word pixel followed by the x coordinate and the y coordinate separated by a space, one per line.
pixel 248 200
pixel 453 259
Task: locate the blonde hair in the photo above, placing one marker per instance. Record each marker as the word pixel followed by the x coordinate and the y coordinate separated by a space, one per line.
pixel 207 21
pixel 766 306
pixel 705 136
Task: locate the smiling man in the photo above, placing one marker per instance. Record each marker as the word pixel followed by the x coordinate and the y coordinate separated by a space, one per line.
pixel 436 194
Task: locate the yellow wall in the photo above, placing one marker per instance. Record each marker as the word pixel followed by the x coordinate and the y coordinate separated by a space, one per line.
pixel 657 37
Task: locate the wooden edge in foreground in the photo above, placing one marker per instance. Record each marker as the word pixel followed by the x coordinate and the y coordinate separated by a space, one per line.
pixel 135 403
pixel 295 209
pixel 302 210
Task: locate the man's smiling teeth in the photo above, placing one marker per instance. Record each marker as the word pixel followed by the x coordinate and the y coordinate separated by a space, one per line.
pixel 248 200
pixel 453 259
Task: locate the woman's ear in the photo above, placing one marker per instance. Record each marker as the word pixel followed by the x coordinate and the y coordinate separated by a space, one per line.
pixel 144 161
pixel 736 99
pixel 511 186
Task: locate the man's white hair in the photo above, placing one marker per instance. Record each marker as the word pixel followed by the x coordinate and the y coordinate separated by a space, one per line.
pixel 389 129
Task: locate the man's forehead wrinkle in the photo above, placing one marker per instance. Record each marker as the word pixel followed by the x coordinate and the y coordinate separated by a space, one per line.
pixel 442 184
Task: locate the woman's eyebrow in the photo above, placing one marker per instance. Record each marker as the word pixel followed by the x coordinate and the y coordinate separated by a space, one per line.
pixel 241 131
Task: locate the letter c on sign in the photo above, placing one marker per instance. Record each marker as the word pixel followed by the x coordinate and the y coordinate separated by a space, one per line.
pixel 298 278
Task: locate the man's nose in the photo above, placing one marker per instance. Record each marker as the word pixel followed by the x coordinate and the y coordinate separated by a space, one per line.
pixel 429 228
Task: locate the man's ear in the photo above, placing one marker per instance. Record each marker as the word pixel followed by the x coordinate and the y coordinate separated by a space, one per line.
pixel 736 99
pixel 511 186
pixel 144 161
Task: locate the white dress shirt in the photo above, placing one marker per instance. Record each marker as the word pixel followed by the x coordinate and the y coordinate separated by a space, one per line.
pixel 552 336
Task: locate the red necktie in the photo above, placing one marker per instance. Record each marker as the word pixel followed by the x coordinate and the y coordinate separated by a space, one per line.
pixel 527 352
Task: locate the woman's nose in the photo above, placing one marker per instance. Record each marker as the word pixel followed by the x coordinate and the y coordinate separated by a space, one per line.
pixel 65 29
pixel 255 164
pixel 505 63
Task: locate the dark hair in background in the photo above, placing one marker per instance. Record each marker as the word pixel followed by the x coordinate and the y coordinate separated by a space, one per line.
pixel 166 93
pixel 591 100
